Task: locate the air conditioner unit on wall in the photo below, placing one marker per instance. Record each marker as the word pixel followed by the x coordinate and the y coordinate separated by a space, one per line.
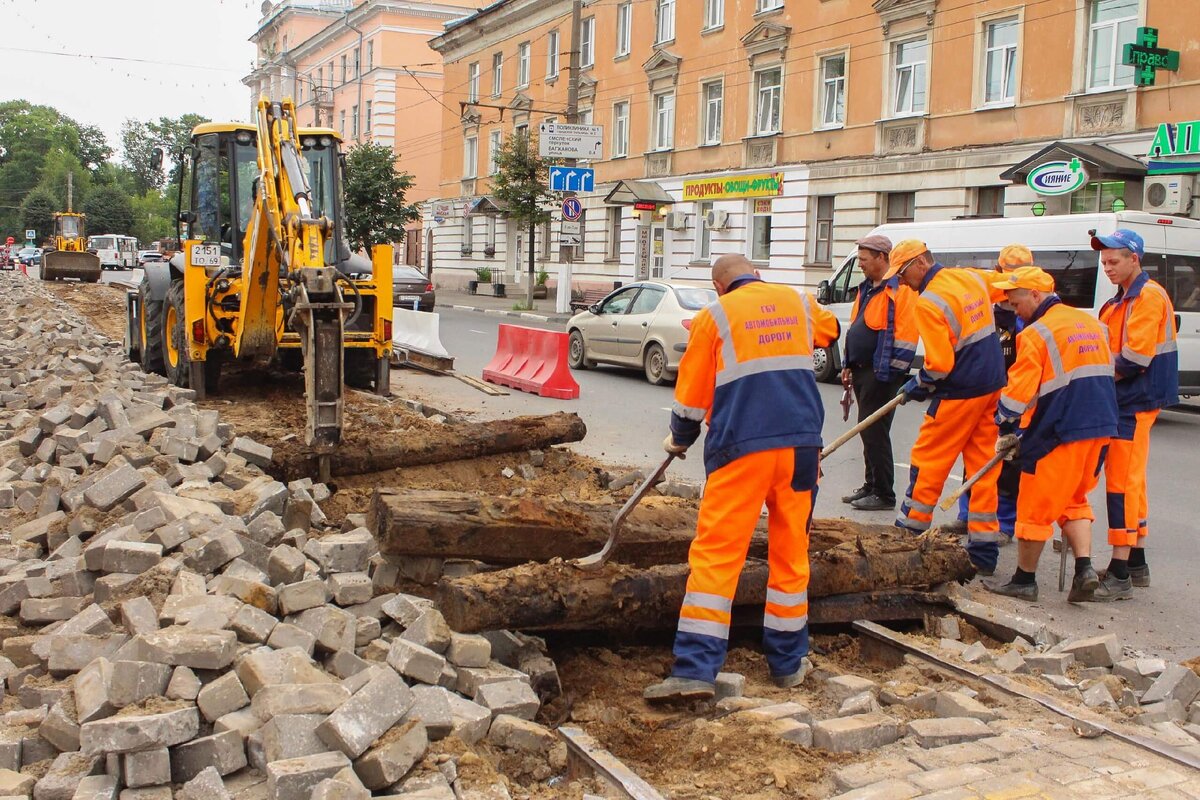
pixel 1168 194
pixel 676 220
pixel 716 220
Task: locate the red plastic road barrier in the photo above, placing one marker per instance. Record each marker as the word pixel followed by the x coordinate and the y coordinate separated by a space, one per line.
pixel 532 360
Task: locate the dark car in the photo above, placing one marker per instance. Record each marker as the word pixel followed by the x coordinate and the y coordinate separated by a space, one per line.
pixel 409 287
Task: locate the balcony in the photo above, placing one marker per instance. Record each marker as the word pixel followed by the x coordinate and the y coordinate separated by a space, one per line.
pixel 323 98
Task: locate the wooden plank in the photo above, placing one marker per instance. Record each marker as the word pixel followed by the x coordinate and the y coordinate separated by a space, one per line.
pixel 605 765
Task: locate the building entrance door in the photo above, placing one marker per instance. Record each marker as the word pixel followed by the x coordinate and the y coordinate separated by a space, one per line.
pixel 658 249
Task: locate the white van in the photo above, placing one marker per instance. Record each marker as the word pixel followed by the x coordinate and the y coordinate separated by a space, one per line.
pixel 1062 246
pixel 115 252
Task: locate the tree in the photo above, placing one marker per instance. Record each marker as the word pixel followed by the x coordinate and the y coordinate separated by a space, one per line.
pixel 521 184
pixel 376 211
pixel 29 134
pixel 108 211
pixel 153 216
pixel 37 213
pixel 138 140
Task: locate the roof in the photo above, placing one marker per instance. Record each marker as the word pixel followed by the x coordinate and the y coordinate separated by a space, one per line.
pixel 1108 162
pixel 630 192
pixel 488 9
pixel 320 132
pixel 222 127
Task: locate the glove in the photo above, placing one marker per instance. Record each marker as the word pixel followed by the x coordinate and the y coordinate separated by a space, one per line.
pixel 678 449
pixel 1010 445
pixel 915 390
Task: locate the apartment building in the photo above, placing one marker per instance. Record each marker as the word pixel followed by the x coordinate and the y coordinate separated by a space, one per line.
pixel 365 69
pixel 800 124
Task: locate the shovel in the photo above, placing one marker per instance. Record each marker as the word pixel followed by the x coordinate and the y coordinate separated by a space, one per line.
pixel 971 481
pixel 886 409
pixel 598 560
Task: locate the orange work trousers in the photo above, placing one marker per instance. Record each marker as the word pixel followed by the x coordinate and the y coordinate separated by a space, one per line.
pixel 1058 488
pixel 786 481
pixel 1125 479
pixel 952 428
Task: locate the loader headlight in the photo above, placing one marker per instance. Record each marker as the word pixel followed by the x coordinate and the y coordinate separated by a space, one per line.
pixel 326 141
pixel 308 141
pixel 243 137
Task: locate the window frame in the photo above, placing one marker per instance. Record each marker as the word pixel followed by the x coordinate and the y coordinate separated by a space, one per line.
pixel 702 252
pixel 753 215
pixel 887 207
pixel 764 6
pixel 706 105
pixel 664 21
pixel 470 157
pixel 624 29
pixel 357 63
pixel 495 139
pixel 894 80
pixel 369 113
pixel 777 91
pixel 497 74
pixel 370 55
pixel 842 82
pixel 345 70
pixel 620 130
pixel 821 204
pixel 587 43
pixel 663 110
pixel 981 192
pixel 473 72
pixel 552 44
pixel 714 15
pixel 1010 68
pixel 523 65
pixel 1117 45
pixel 612 239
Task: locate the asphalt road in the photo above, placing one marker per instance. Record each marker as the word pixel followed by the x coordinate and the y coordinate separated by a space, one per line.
pixel 131 276
pixel 627 419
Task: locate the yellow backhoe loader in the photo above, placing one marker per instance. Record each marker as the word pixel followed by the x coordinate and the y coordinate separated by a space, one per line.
pixel 68 257
pixel 265 273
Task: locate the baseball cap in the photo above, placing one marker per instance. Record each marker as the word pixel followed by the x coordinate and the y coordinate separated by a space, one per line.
pixel 1026 278
pixel 1013 256
pixel 1121 238
pixel 902 253
pixel 876 241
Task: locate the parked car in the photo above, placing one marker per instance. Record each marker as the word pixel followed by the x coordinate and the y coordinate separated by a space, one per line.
pixel 644 324
pixel 409 286
pixel 30 256
pixel 145 257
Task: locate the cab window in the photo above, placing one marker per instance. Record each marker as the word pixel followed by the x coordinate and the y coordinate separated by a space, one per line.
pixel 1074 271
pixel 647 300
pixel 841 288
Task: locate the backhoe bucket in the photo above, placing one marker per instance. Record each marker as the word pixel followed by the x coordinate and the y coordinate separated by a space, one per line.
pixel 66 264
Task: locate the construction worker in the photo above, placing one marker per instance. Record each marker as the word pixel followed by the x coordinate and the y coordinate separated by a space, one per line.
pixel 962 376
pixel 881 343
pixel 1055 416
pixel 1141 328
pixel 748 371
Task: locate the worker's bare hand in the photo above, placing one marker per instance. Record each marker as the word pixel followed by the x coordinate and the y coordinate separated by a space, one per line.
pixel 846 377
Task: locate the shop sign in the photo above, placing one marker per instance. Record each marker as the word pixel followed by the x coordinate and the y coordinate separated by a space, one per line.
pixel 767 184
pixel 1057 177
pixel 1173 141
pixel 441 211
pixel 1146 57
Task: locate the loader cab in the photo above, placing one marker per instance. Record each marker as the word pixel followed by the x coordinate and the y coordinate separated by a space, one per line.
pixel 68 226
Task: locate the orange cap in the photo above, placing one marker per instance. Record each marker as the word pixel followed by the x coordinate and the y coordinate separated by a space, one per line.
pixel 1013 256
pixel 902 253
pixel 1027 278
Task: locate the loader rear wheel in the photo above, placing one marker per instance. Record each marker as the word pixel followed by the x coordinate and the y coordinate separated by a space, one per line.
pixel 150 331
pixel 174 341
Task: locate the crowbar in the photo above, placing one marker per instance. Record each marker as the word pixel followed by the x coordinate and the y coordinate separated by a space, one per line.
pixel 598 560
pixel 971 481
pixel 884 410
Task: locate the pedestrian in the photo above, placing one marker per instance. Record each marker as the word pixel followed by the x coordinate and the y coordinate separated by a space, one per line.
pixel 1056 416
pixel 962 377
pixel 748 370
pixel 1008 325
pixel 881 343
pixel 1141 329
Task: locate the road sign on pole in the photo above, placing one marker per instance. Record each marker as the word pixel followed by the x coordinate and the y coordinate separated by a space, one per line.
pixel 30 234
pixel 572 209
pixel 572 179
pixel 569 233
pixel 558 140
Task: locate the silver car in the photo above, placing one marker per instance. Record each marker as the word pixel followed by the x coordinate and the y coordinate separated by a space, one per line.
pixel 644 324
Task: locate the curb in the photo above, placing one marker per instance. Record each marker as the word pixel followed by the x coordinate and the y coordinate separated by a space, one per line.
pixel 517 314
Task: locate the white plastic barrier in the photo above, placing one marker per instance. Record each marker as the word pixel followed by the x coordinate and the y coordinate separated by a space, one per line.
pixel 417 330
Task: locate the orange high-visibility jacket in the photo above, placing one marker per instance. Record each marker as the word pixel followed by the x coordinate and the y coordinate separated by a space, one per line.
pixel 1141 329
pixel 892 312
pixel 748 370
pixel 955 320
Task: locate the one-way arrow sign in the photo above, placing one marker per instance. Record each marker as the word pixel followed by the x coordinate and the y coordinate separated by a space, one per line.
pixel 572 179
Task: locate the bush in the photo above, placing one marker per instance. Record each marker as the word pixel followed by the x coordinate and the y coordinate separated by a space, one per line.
pixel 484 274
pixel 542 277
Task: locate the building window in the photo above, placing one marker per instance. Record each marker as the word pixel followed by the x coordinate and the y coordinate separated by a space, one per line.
pixel 470 157
pixel 587 42
pixel 833 91
pixel 823 231
pixel 489 233
pixel 664 121
pixel 473 82
pixel 342 123
pixel 769 88
pixel 552 54
pixel 714 14
pixel 354 121
pixel 497 74
pixel 1113 25
pixel 703 234
pixel 612 250
pixel 760 230
pixel 357 62
pixel 331 74
pixel 1097 196
pixel 544 241
pixel 624 28
pixel 585 117
pixel 620 139
pixel 908 76
pixel 345 69
pixel 468 234
pixel 493 151
pixel 900 207
pixel 521 129
pixel 767 5
pixel 989 201
pixel 523 65
pixel 367 121
pixel 1000 64
pixel 714 111
pixel 577 252
pixel 370 55
pixel 665 28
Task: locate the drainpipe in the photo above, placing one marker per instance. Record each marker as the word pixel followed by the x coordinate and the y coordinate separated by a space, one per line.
pixel 358 118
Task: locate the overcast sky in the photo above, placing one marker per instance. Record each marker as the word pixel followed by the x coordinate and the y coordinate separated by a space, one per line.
pixel 198 52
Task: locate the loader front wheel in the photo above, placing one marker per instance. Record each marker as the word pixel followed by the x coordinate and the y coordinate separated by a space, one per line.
pixel 175 346
pixel 150 332
pixel 360 368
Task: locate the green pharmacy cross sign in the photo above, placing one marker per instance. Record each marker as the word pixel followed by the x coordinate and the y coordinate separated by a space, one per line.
pixel 1147 57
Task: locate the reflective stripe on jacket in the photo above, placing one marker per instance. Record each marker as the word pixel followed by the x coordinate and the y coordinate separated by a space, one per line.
pixel 1141 333
pixel 748 369
pixel 1061 386
pixel 892 312
pixel 954 317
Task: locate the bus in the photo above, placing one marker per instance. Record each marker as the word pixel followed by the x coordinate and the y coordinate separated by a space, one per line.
pixel 1061 245
pixel 115 252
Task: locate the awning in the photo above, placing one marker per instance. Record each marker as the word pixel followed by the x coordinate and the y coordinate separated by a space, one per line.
pixel 1102 161
pixel 487 205
pixel 626 193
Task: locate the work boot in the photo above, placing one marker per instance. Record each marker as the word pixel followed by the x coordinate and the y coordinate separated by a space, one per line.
pixel 1021 591
pixel 679 690
pixel 1112 588
pixel 873 502
pixel 955 528
pixel 857 494
pixel 1083 586
pixel 796 678
pixel 1140 576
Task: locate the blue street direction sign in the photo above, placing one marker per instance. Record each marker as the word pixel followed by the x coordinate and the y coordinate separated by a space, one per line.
pixel 572 209
pixel 572 179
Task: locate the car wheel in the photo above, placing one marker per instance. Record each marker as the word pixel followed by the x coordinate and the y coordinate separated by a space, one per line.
pixel 577 352
pixel 655 363
pixel 824 364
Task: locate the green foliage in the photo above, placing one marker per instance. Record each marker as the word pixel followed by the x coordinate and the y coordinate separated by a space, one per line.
pixel 153 216
pixel 521 182
pixel 542 277
pixel 484 274
pixel 55 168
pixel 29 134
pixel 138 140
pixel 37 212
pixel 108 210
pixel 376 211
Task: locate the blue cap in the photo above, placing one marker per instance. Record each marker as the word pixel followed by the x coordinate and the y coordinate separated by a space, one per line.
pixel 1121 238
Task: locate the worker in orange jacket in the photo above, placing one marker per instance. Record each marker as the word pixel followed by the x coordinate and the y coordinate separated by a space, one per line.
pixel 962 377
pixel 748 370
pixel 1056 415
pixel 1141 328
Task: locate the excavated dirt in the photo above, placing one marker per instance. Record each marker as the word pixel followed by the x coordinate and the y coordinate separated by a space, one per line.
pixel 103 304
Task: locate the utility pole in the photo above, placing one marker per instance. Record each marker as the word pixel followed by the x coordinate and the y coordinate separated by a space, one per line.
pixel 563 295
pixel 70 191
